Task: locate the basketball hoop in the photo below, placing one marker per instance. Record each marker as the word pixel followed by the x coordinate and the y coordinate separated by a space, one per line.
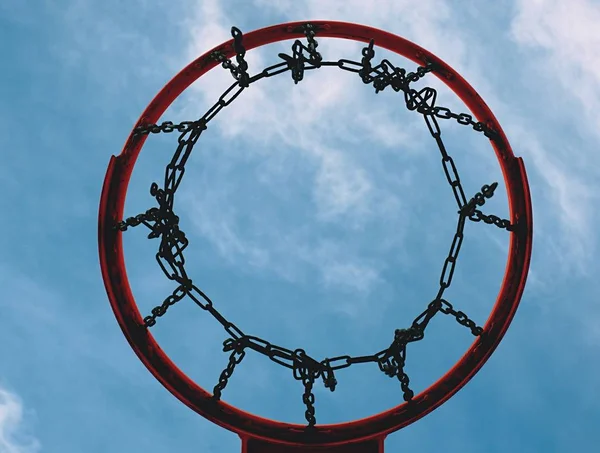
pixel 260 434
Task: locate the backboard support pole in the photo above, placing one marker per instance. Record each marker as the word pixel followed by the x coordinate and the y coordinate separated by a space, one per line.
pixel 253 445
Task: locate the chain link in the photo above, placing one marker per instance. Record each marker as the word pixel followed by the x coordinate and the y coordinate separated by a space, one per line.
pixel 164 224
pixel 447 309
pixel 166 127
pixel 150 215
pixel 478 216
pixel 160 310
pixel 298 62
pixel 235 358
pixel 239 71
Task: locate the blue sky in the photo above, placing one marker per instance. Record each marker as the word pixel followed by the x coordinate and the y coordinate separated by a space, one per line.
pixel 318 216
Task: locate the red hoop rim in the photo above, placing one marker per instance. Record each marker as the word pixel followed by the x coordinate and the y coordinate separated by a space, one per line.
pixel 249 425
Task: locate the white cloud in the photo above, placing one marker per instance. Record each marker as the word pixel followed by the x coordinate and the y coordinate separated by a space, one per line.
pixel 560 42
pixel 340 187
pixel 216 220
pixel 563 206
pixel 426 22
pixel 208 26
pixel 319 119
pixel 12 436
pixel 355 276
pixel 567 33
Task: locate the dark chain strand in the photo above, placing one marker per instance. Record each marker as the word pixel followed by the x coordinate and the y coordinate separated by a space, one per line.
pixel 236 356
pixel 160 310
pixel 164 224
pixel 239 71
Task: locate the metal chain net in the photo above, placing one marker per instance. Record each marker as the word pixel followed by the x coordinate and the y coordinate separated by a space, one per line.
pixel 164 224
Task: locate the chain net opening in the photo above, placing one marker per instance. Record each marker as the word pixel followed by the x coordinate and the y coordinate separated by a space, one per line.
pixel 163 223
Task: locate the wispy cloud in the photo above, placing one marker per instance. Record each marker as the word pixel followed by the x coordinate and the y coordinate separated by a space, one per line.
pixel 277 119
pixel 14 435
pixel 566 35
pixel 561 45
